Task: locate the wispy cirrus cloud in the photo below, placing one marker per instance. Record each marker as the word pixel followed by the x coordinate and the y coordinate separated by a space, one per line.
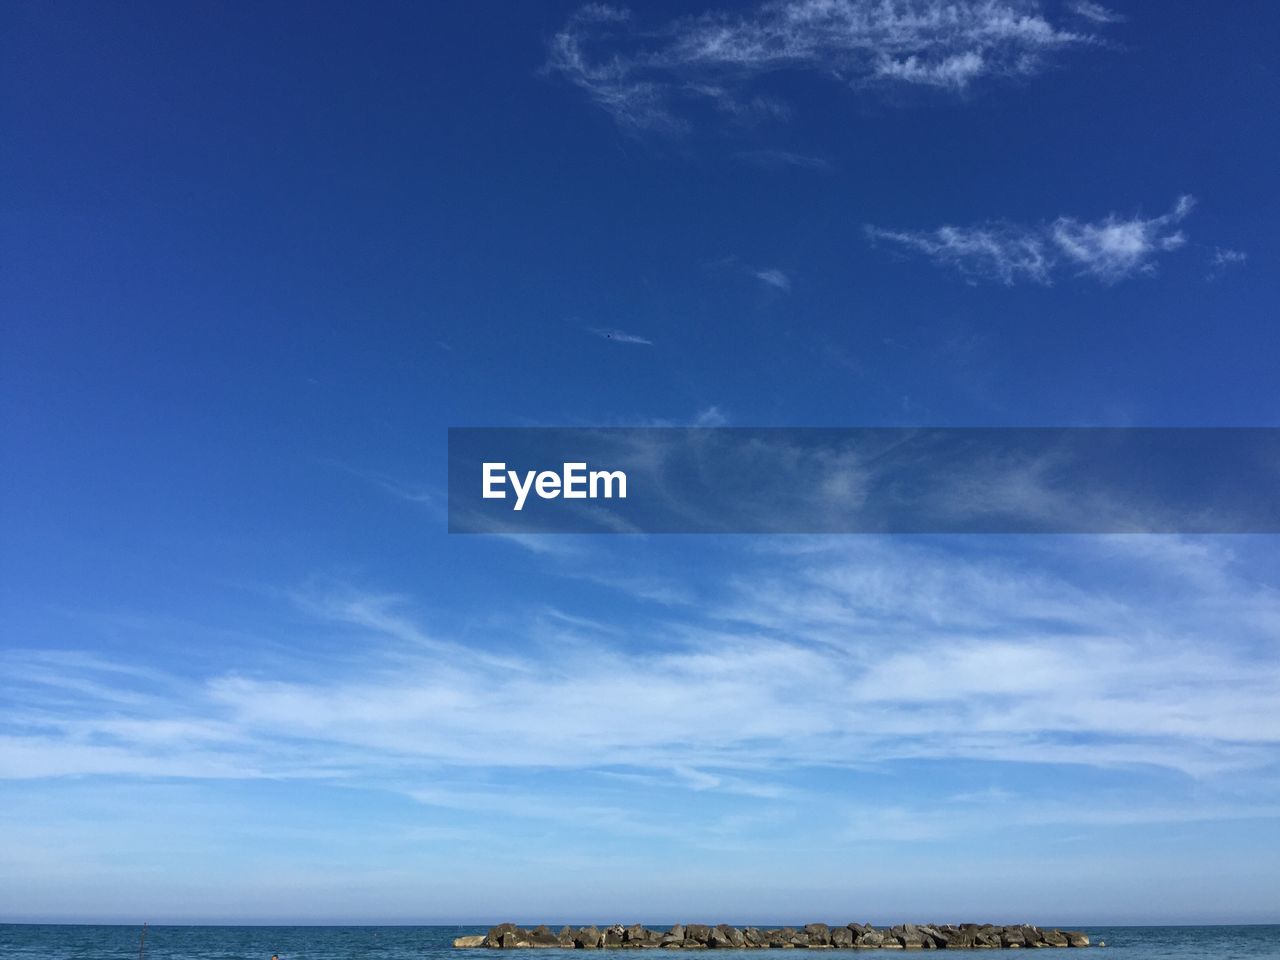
pixel 1224 259
pixel 826 695
pixel 1109 250
pixel 773 159
pixel 644 77
pixel 774 278
pixel 1096 12
pixel 619 336
pixel 836 653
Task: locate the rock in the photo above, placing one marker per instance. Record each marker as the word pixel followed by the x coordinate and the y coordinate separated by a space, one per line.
pixel 870 937
pixel 988 937
pixel 1012 937
pixel 652 938
pixel 493 939
pixel 697 932
pixel 673 937
pixel 819 933
pixel 911 937
pixel 813 936
pixel 542 936
pixel 737 939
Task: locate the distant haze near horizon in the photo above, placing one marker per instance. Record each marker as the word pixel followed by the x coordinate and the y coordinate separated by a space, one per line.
pixel 259 258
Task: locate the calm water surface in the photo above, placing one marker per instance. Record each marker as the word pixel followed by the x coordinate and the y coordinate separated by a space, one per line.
pixel 71 942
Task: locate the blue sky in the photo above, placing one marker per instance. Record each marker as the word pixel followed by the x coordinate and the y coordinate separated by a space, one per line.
pixel 258 259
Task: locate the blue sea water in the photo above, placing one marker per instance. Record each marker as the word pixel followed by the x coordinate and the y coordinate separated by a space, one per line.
pixel 87 942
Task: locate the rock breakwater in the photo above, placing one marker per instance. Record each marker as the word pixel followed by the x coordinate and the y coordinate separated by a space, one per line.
pixel 811 936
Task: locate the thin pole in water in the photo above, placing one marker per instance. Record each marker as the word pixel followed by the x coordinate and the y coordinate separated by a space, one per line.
pixel 142 941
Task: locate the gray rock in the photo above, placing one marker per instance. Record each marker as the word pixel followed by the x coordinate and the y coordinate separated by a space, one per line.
pixel 870 937
pixel 818 933
pixel 1012 937
pixel 736 937
pixel 813 936
pixel 542 936
pixel 493 938
pixel 673 937
pixel 697 932
pixel 961 940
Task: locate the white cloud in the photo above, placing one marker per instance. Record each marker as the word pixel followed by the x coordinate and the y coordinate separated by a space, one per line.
pixel 774 278
pixel 993 251
pixel 1096 12
pixel 712 416
pixel 954 71
pixel 642 76
pixel 774 158
pixel 1109 250
pixel 611 81
pixel 1113 249
pixel 1224 259
pixel 620 336
pixel 846 653
pixel 412 493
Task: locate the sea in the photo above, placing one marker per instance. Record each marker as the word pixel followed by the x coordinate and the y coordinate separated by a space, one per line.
pixel 89 942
